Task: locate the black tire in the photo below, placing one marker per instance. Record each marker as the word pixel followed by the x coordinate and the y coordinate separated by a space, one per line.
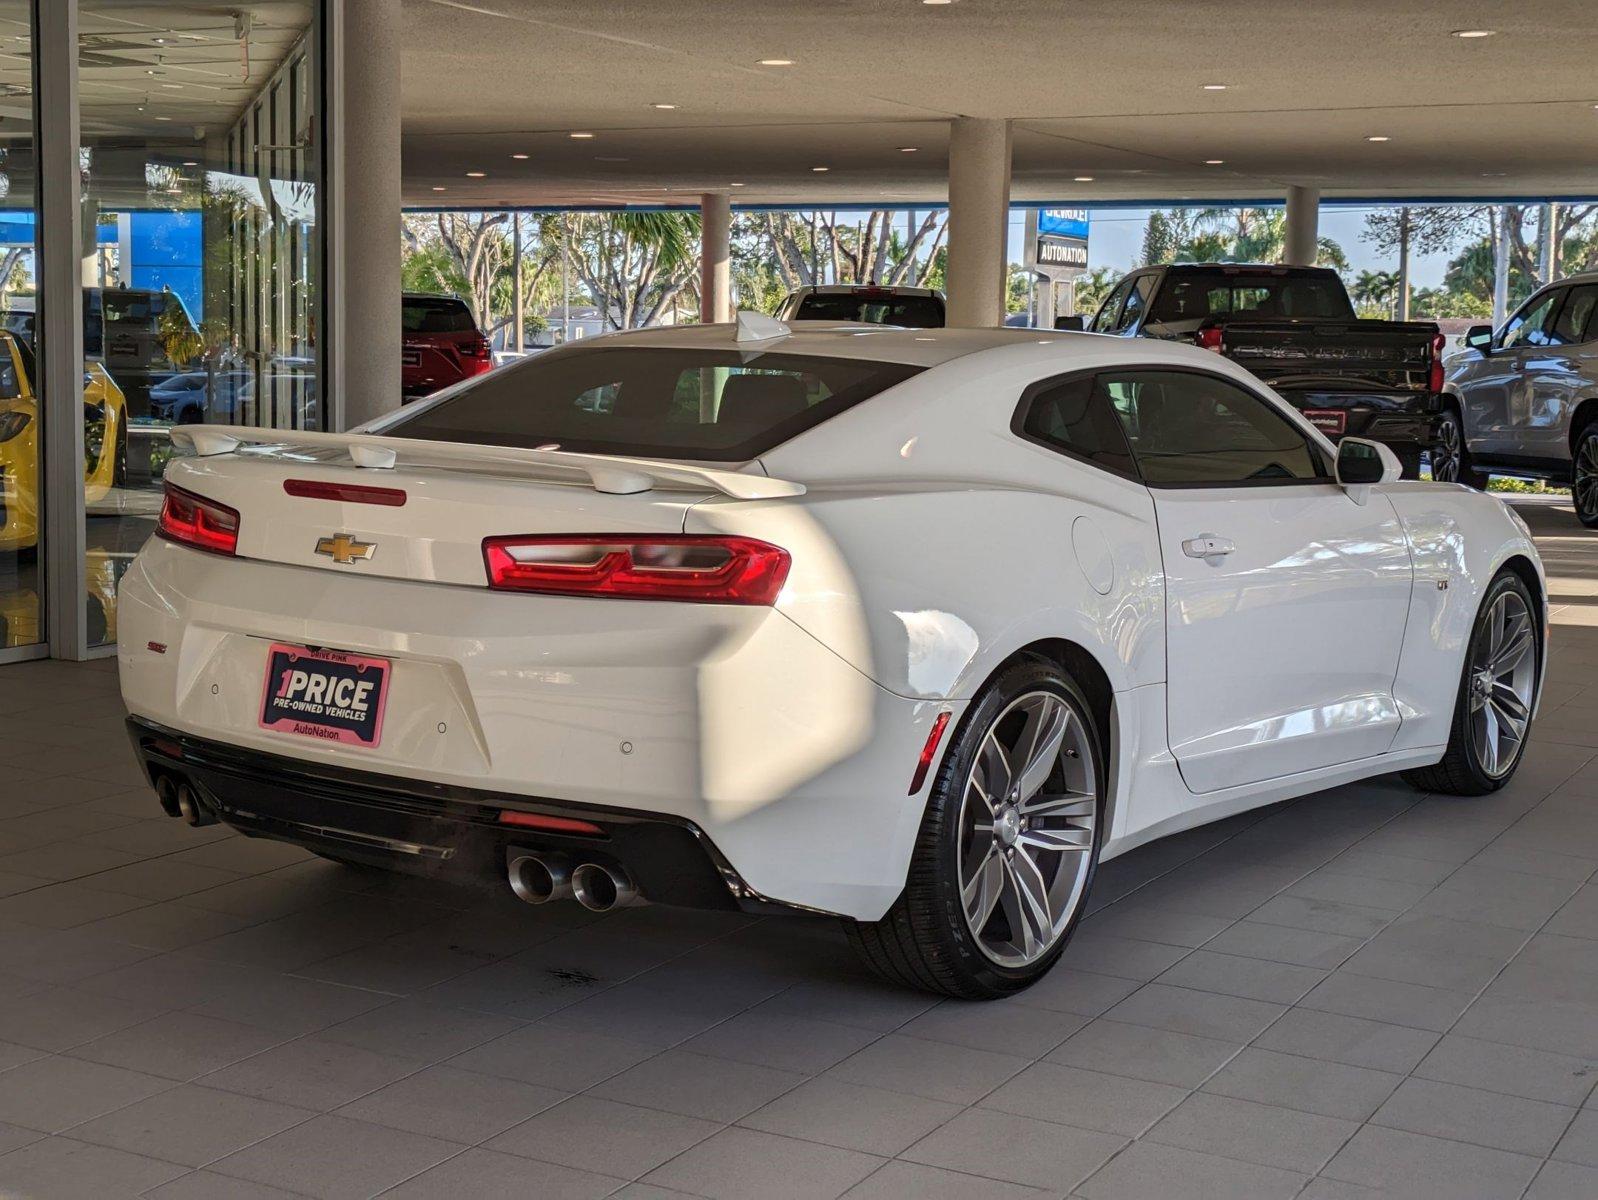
pixel 1459 773
pixel 1450 455
pixel 1584 475
pixel 923 941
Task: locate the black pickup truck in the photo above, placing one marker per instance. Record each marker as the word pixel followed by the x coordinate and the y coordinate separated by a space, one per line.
pixel 1295 328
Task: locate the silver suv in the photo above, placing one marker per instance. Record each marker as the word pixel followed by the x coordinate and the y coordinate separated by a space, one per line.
pixel 1524 400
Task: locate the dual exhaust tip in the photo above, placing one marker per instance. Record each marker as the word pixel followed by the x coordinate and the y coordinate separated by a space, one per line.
pixel 540 878
pixel 179 798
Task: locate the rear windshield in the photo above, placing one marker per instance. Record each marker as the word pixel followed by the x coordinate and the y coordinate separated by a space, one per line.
pixel 722 406
pixel 1186 297
pixel 437 314
pixel 912 312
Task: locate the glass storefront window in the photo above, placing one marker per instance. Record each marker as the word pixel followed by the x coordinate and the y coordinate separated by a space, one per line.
pixel 20 442
pixel 201 283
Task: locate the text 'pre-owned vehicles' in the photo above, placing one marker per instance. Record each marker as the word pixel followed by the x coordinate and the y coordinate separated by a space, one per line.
pixel 914 627
pixel 869 303
pixel 1295 328
pixel 440 344
pixel 1524 400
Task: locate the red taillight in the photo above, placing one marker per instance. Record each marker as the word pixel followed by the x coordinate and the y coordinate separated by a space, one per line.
pixel 478 349
pixel 1210 338
pixel 349 493
pixel 198 522
pixel 1434 373
pixel 687 567
pixel 526 820
pixel 929 752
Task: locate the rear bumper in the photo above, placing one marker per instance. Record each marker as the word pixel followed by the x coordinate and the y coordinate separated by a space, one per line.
pixel 437 830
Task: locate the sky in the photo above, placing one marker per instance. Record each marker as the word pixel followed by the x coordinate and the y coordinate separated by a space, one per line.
pixel 1115 240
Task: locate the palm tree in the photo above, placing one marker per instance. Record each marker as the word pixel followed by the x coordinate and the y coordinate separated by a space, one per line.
pixel 1375 290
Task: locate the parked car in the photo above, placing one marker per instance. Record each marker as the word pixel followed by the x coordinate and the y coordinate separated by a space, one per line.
pixel 915 629
pixel 196 396
pixel 1295 328
pixel 911 307
pixel 441 344
pixel 1524 400
pixel 105 441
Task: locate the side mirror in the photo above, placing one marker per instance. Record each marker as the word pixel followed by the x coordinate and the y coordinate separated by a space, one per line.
pixel 1479 338
pixel 1361 463
pixel 1074 324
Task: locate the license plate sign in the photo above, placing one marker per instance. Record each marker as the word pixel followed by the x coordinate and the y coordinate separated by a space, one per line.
pixel 329 695
pixel 1327 420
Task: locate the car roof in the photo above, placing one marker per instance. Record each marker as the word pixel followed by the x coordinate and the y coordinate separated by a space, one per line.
pixel 848 289
pixel 1210 268
pixel 876 343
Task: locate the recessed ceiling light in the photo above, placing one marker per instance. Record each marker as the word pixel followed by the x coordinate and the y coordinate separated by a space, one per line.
pixel 519 157
pixel 776 62
pixel 580 135
pixel 908 149
pixel 1493 174
pixel 1215 87
pixel 609 158
pixel 1213 162
pixel 1084 178
pixel 160 41
pixel 477 174
pixel 1378 137
pixel 1473 33
pixel 663 107
pixel 173 87
pixel 190 163
pixel 163 118
pixel 439 189
pixel 937 1
pixel 821 168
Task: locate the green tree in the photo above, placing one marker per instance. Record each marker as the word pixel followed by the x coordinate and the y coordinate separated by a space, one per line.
pixel 1374 292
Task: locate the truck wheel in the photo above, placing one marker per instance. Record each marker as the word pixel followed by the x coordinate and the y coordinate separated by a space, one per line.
pixel 1584 475
pixel 1497 688
pixel 1450 456
pixel 1007 849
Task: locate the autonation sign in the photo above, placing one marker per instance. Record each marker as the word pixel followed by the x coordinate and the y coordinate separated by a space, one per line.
pixel 1062 238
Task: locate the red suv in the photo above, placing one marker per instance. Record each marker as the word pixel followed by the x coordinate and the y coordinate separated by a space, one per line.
pixel 442 344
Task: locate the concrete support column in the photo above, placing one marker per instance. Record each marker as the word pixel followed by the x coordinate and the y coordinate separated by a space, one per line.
pixel 363 297
pixel 715 258
pixel 1303 226
pixel 979 217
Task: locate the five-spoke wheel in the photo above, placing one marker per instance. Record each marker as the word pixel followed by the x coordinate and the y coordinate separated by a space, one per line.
pixel 1584 476
pixel 1007 847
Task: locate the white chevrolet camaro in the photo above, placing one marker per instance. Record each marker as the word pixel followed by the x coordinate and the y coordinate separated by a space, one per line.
pixel 914 627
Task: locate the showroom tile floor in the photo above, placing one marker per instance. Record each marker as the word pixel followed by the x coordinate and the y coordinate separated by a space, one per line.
pixel 1366 992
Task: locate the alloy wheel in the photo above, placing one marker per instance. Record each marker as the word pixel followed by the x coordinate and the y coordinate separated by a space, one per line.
pixel 1445 454
pixel 1027 826
pixel 1503 679
pixel 1585 479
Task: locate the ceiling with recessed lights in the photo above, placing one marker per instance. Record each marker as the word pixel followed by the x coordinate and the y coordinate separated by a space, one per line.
pixel 1131 100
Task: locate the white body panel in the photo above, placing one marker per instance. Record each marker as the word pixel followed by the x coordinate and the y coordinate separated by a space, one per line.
pixel 929 545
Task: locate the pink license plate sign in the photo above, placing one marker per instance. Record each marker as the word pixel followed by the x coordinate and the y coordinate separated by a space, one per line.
pixel 329 695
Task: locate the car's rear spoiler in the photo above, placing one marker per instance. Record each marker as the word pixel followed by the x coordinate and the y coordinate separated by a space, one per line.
pixel 618 476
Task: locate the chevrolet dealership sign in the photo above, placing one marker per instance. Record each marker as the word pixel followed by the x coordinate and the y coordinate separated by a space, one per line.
pixel 1059 238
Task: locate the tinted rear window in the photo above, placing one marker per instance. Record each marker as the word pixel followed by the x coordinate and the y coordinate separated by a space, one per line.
pixel 1186 297
pixel 699 404
pixel 912 312
pixel 437 314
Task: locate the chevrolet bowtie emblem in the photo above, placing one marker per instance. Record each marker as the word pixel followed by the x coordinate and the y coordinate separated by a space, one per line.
pixel 345 548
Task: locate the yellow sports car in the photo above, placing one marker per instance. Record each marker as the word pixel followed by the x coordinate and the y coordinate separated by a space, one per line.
pixel 105 441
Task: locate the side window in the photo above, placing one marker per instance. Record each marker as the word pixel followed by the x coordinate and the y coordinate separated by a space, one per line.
pixel 1187 428
pixel 1137 302
pixel 1071 416
pixel 1526 327
pixel 1575 321
pixel 1105 321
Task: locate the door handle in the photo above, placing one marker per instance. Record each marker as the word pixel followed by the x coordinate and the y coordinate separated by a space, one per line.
pixel 1207 545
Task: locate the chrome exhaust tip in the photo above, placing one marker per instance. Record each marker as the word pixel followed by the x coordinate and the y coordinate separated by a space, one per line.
pixel 600 889
pixel 538 879
pixel 166 794
pixel 190 807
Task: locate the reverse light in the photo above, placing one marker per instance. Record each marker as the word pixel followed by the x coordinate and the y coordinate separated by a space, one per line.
pixel 929 752
pixel 198 522
pixel 1434 373
pixel 1210 338
pixel 686 567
